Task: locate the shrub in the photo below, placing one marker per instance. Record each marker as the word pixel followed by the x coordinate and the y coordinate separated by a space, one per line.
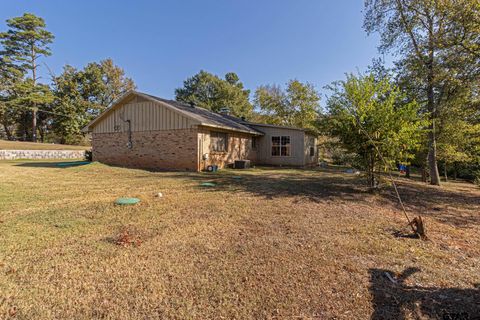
pixel 88 155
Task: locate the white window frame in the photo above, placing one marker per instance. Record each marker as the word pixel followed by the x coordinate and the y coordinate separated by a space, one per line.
pixel 287 146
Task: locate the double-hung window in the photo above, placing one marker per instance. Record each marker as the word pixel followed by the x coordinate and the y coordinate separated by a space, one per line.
pixel 281 146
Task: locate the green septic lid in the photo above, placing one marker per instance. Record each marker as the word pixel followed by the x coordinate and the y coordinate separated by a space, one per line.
pixel 208 184
pixel 127 201
pixel 72 163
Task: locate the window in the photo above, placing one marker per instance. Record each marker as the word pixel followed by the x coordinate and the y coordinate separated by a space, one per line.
pixel 218 141
pixel 281 146
pixel 312 151
pixel 254 143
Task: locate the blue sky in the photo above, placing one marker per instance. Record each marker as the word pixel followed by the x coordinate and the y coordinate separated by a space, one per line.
pixel 161 43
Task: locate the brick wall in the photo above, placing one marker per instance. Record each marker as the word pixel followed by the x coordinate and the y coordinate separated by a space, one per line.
pixel 166 149
pixel 41 154
pixel 238 148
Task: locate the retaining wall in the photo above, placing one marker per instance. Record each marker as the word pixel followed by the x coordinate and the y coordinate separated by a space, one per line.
pixel 41 154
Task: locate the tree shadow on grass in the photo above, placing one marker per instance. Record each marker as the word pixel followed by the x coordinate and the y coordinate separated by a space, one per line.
pixel 324 186
pixel 275 184
pixel 394 299
pixel 448 206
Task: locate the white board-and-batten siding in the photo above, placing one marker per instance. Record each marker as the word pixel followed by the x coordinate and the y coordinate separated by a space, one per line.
pixel 144 115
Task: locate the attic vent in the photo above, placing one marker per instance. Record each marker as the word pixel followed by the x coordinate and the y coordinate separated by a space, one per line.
pixel 224 110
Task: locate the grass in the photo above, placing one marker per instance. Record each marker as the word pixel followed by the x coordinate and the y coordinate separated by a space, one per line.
pixel 24 145
pixel 276 244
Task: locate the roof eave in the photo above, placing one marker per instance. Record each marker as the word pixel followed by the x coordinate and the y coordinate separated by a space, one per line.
pixel 255 133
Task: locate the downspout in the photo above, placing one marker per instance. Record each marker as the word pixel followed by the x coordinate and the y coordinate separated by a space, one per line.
pixel 129 143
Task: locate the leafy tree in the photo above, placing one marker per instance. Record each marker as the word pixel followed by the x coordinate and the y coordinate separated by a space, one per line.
pixel 297 106
pixel 25 42
pixel 209 91
pixel 102 83
pixel 69 107
pixel 438 45
pixel 80 95
pixel 370 116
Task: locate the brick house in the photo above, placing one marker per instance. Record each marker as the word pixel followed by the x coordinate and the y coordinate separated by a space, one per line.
pixel 143 131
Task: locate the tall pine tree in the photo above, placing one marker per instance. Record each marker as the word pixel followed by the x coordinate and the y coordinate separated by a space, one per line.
pixel 24 43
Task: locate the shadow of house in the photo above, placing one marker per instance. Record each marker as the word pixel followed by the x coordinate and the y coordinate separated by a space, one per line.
pixel 67 164
pixel 394 299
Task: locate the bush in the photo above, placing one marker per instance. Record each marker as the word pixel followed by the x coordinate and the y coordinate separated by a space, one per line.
pixel 341 157
pixel 88 155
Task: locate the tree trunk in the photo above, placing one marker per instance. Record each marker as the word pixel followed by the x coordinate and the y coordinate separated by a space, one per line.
pixel 7 132
pixel 445 171
pixel 371 176
pixel 424 174
pixel 34 125
pixel 407 172
pixel 41 130
pixel 432 141
pixel 34 109
pixel 432 157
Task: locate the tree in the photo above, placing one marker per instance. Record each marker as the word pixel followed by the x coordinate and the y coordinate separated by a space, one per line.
pixel 459 131
pixel 439 48
pixel 209 91
pixel 28 94
pixel 25 42
pixel 10 76
pixel 371 116
pixel 69 107
pixel 297 106
pixel 104 82
pixel 80 95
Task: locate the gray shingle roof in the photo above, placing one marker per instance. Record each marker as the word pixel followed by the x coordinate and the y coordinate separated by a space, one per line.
pixel 208 117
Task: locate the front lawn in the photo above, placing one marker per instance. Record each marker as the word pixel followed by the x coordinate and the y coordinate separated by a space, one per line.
pixel 262 243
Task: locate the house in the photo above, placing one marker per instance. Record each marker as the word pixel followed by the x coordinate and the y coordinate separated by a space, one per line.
pixel 143 131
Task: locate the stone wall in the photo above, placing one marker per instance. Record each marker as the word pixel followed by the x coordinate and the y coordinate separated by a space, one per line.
pixel 41 154
pixel 161 150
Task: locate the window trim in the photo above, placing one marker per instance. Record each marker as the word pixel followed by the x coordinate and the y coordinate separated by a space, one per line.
pixel 287 147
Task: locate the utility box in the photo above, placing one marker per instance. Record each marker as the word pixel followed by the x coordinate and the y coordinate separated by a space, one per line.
pixel 241 164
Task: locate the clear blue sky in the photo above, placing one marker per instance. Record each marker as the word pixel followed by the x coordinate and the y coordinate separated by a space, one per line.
pixel 161 43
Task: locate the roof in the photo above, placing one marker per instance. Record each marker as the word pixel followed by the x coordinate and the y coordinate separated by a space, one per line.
pixel 253 125
pixel 203 116
pixel 210 118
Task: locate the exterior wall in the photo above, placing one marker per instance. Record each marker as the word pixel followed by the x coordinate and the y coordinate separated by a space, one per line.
pixel 166 149
pixel 144 115
pixel 311 141
pixel 264 147
pixel 239 148
pixel 41 154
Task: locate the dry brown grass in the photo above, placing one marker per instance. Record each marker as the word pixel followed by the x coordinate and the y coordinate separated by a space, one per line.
pixel 274 244
pixel 24 145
